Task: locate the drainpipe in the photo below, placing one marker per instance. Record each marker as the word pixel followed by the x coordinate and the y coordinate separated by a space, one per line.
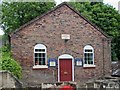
pixel 109 47
pixel 109 50
pixel 103 71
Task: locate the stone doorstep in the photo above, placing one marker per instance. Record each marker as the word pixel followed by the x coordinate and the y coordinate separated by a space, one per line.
pixel 58 85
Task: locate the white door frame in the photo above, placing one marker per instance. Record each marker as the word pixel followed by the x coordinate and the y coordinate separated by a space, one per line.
pixel 66 56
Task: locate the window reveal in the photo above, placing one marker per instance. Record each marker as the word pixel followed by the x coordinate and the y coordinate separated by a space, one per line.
pixel 88 55
pixel 40 54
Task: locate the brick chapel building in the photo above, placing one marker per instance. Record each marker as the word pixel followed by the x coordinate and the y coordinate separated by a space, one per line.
pixel 61 45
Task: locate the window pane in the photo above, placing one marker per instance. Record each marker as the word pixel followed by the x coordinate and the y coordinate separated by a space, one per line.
pixel 35 54
pixel 36 61
pixel 88 62
pixel 40 55
pixel 42 50
pixel 91 54
pixel 39 50
pixel 85 54
pixel 42 61
pixel 91 62
pixel 88 58
pixel 85 61
pixel 44 55
pixel 88 50
pixel 36 50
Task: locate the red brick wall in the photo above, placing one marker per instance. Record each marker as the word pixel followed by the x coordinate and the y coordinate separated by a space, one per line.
pixel 47 30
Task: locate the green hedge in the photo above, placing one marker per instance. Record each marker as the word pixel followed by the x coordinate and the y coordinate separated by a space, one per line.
pixel 8 63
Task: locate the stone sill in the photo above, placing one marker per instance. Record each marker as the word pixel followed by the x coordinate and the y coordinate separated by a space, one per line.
pixel 37 67
pixel 89 66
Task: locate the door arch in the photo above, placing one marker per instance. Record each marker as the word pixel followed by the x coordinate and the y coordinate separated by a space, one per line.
pixel 65 68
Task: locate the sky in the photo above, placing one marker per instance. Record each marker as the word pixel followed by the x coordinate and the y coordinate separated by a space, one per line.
pixel 114 3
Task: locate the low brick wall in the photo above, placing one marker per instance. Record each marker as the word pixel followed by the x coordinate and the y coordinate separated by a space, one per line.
pixel 106 83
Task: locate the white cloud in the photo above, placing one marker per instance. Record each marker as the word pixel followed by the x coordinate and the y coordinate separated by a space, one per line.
pixel 114 3
pixel 60 1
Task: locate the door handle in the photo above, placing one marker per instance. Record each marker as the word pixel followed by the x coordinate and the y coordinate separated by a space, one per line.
pixel 65 73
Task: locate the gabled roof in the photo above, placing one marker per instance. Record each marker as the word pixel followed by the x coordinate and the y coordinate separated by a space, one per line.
pixel 60 5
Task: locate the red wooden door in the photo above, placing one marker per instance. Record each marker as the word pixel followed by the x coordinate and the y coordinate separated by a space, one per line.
pixel 65 66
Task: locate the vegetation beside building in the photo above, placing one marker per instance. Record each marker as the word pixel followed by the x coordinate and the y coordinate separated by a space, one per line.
pixel 8 63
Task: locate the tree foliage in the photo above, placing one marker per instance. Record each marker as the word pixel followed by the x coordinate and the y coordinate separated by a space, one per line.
pixel 16 14
pixel 8 63
pixel 106 18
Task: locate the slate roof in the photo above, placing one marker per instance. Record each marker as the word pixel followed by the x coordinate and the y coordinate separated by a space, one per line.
pixel 57 7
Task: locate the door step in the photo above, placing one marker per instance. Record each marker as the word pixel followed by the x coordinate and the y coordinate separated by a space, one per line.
pixel 58 85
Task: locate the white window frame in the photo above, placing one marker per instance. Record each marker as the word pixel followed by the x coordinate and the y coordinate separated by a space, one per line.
pixel 40 46
pixel 88 47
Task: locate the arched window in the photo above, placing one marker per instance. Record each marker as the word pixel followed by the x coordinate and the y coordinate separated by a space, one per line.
pixel 88 55
pixel 40 56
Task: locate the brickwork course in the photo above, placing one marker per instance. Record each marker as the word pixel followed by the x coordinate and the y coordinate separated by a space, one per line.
pixel 47 30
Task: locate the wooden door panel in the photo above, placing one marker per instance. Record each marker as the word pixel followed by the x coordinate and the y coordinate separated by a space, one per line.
pixel 65 69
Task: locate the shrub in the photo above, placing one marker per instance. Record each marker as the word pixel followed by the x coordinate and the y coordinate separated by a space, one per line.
pixel 8 63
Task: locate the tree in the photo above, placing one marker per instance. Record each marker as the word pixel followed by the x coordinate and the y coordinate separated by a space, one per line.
pixel 16 14
pixel 106 18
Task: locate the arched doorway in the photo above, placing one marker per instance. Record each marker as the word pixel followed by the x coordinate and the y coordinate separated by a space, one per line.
pixel 65 68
